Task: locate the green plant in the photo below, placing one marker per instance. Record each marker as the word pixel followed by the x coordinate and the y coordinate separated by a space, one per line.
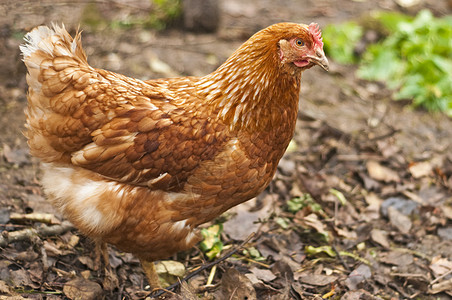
pixel 164 13
pixel 305 200
pixel 414 59
pixel 212 244
pixel 340 41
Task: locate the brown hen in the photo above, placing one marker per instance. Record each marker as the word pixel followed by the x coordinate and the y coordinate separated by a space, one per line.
pixel 140 164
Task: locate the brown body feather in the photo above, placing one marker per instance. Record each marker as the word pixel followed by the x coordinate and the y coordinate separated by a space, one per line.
pixel 140 164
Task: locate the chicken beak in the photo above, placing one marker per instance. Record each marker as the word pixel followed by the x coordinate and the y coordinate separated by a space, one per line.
pixel 320 59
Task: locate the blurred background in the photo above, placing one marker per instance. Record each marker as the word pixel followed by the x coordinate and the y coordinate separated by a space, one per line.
pixel 375 132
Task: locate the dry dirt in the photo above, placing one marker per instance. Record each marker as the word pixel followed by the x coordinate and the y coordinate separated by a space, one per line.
pixel 379 174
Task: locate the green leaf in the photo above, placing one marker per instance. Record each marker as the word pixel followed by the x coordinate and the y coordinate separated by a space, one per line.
pixel 253 253
pixel 414 59
pixel 340 41
pixel 391 20
pixel 212 244
pixel 282 222
pixel 328 250
pixel 339 195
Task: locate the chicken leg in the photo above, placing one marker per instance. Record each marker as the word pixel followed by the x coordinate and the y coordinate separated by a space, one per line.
pixel 151 274
pixel 100 251
pixel 110 280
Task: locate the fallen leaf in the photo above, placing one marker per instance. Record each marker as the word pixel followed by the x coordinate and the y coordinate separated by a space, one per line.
pixel 51 249
pixel 17 156
pixel 380 237
pixel 73 241
pixel 247 215
pixel 81 288
pixel 358 295
pixel 448 211
pixel 358 275
pixel 169 271
pixel 36 273
pixel 403 205
pixel 350 234
pixel 317 279
pixel 87 261
pixel 444 286
pixel 28 255
pixel 381 173
pixel 242 224
pixel 399 220
pixel 86 274
pixel 187 292
pixel 284 268
pixel 440 266
pixel 445 233
pixel 396 258
pixel 235 286
pixel 374 204
pixel 20 278
pixel 263 274
pixel 4 288
pixel 313 221
pixel 420 169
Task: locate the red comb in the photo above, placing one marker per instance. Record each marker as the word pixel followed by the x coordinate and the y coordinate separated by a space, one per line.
pixel 314 29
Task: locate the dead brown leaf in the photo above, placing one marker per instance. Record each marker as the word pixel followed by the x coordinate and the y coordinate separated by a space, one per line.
pixel 169 271
pixel 263 274
pixel 358 275
pixel 444 286
pixel 87 261
pixel 397 258
pixel 381 173
pixel 440 266
pixel 235 286
pixel 4 288
pixel 420 169
pixel 399 220
pixel 80 288
pixel 380 237
pixel 317 279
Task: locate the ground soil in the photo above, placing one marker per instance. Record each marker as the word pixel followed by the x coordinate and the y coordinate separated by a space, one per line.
pixel 378 173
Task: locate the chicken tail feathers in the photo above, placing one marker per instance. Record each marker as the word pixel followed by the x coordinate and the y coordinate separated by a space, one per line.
pixel 56 64
pixel 43 45
pixel 55 41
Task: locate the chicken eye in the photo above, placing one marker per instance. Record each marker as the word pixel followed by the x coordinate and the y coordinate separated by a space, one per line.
pixel 299 42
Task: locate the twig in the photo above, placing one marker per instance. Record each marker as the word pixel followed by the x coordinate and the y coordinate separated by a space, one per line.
pixel 392 131
pixel 35 217
pixel 204 267
pixel 410 275
pixel 211 275
pixel 29 233
pixel 440 277
pixel 398 289
pixel 340 258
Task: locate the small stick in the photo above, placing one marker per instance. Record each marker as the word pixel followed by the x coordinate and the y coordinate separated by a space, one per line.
pixel 35 217
pixel 28 233
pixel 440 277
pixel 204 267
pixel 211 275
pixel 341 259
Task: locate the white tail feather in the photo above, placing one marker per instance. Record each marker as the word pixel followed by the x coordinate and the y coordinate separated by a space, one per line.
pixel 44 38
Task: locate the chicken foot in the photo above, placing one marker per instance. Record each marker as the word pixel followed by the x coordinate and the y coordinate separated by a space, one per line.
pixel 111 280
pixel 151 274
